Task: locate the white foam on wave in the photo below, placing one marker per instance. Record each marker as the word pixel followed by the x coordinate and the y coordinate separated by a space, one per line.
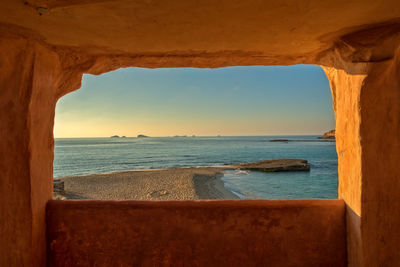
pixel 238 172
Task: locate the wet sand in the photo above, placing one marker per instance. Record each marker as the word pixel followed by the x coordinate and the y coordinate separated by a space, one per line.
pixel 167 184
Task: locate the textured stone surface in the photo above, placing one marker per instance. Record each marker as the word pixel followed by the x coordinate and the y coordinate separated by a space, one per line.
pixel 46 46
pixel 346 92
pixel 367 110
pixel 197 233
pixel 28 78
pixel 380 213
pixel 188 33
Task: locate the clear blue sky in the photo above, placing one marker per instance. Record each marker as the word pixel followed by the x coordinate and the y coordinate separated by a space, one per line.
pixel 257 100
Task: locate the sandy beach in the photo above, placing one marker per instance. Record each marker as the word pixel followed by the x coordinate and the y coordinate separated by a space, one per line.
pixel 167 184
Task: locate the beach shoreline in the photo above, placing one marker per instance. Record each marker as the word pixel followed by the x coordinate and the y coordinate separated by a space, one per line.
pixel 185 183
pixel 193 183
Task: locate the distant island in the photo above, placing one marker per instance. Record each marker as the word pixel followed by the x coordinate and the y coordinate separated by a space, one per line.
pixel 328 135
pixel 117 136
pixel 279 140
pixel 142 136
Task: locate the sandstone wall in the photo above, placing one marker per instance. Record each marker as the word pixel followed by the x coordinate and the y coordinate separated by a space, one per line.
pixel 197 233
pixel 29 76
pixel 364 80
pixel 380 146
pixel 346 103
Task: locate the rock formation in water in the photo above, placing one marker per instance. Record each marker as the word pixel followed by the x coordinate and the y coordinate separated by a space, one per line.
pixel 279 140
pixel 276 165
pixel 328 135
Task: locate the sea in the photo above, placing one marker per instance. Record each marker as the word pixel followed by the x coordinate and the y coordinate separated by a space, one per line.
pixel 78 156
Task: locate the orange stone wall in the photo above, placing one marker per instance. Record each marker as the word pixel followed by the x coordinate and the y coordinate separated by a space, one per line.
pixel 197 233
pixel 380 145
pixel 367 109
pixel 29 76
pixel 346 103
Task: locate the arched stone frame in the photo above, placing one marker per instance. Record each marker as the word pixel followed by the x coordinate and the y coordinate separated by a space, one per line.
pixel 363 75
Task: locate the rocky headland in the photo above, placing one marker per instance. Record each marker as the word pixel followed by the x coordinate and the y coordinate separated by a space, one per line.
pixel 328 135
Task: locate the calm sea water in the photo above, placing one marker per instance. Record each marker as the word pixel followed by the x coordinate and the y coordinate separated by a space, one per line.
pixel 97 155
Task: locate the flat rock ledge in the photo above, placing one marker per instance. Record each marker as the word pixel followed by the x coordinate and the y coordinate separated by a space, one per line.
pixel 275 165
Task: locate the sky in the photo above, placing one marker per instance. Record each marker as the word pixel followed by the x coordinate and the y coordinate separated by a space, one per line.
pixel 241 101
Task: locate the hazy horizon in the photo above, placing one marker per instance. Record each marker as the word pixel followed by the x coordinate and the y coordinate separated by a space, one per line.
pixel 232 101
pixel 191 136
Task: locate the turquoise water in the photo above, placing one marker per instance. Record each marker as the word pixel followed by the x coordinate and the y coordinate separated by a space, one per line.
pixel 78 156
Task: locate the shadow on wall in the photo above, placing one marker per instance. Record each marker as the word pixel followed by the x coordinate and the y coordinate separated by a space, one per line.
pixel 206 233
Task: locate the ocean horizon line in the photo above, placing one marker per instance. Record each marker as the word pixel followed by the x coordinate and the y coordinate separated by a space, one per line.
pixel 188 136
